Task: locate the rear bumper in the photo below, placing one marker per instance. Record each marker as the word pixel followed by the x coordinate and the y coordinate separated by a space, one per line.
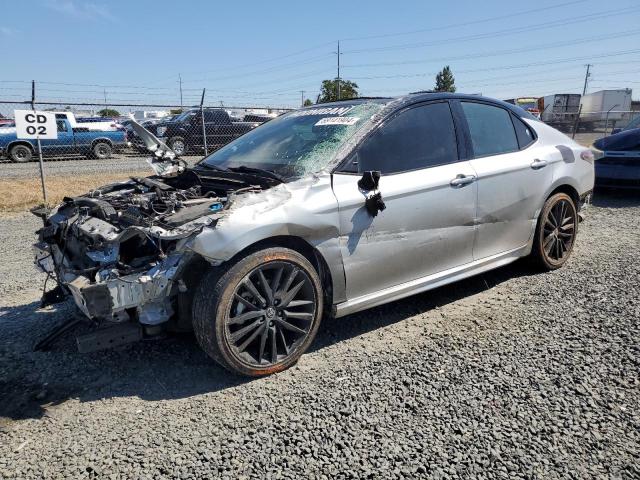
pixel 621 174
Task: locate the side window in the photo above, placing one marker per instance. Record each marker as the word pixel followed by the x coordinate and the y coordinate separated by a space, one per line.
pixel 209 116
pixel 420 137
pixel 62 126
pixel 214 116
pixel 523 132
pixel 491 129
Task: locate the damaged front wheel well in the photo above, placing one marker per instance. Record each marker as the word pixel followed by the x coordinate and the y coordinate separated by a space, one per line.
pixel 197 267
pixel 304 248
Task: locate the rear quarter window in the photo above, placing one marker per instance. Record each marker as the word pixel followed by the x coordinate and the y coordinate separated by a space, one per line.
pixel 524 133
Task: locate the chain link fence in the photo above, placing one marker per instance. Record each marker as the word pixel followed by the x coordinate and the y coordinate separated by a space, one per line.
pixel 101 131
pixel 104 131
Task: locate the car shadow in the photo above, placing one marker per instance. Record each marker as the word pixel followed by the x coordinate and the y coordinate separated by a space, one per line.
pixel 174 367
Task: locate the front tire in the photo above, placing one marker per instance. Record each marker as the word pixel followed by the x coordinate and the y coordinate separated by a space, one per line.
pixel 555 232
pixel 21 153
pixel 261 314
pixel 101 151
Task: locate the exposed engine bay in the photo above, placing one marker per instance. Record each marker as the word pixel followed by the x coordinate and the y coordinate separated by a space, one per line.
pixel 118 249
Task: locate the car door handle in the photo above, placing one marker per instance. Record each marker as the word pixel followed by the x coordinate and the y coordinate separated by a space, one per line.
pixel 538 164
pixel 462 180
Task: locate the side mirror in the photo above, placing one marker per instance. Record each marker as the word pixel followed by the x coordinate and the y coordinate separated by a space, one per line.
pixel 369 182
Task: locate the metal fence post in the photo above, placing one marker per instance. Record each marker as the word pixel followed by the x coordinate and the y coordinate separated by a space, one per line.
pixel 575 124
pixel 606 120
pixel 33 107
pixel 204 127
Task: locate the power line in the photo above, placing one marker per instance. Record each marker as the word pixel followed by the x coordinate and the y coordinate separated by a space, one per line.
pixel 497 53
pixel 509 31
pixel 465 24
pixel 273 59
pixel 270 69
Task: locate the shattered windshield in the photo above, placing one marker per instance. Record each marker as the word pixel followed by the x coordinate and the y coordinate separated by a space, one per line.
pixel 298 143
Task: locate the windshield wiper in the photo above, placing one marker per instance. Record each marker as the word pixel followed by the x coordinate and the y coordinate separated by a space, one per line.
pixel 258 172
pixel 210 167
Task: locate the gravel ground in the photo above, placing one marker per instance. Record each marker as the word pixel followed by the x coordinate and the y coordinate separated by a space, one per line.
pixel 513 374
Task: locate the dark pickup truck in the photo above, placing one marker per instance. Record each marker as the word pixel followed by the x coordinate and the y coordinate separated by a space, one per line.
pixel 184 134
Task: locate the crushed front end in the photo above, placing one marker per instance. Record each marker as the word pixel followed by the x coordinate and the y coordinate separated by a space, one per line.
pixel 120 250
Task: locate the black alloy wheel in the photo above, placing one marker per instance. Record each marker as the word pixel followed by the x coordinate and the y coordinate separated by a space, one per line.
pixel 556 232
pixel 271 313
pixel 259 315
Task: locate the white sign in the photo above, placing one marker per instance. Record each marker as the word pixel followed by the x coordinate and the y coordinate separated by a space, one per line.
pixel 32 124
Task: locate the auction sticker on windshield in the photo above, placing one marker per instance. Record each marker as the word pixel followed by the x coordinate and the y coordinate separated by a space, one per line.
pixel 337 121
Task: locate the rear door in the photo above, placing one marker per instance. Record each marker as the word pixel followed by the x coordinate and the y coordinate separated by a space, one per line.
pixel 429 192
pixel 513 177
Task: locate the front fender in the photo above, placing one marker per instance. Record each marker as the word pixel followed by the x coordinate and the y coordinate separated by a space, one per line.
pixel 306 209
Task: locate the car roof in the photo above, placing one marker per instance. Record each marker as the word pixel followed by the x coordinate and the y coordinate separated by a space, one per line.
pixel 418 97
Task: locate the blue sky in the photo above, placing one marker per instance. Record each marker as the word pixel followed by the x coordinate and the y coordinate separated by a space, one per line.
pixel 264 53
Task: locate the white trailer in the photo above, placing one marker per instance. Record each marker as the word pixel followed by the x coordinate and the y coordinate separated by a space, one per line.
pixel 611 105
pixel 559 110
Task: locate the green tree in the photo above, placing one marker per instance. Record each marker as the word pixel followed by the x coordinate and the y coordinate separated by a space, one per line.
pixel 307 102
pixel 108 112
pixel 175 111
pixel 329 90
pixel 445 82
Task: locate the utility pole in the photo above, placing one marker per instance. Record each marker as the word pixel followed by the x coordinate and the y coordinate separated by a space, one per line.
pixel 586 78
pixel 302 98
pixel 105 97
pixel 338 69
pixel 180 82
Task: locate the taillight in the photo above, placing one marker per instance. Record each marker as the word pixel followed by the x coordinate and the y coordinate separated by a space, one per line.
pixel 587 156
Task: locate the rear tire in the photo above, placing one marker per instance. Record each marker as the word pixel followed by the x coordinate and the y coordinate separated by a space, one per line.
pixel 261 314
pixel 101 151
pixel 555 232
pixel 21 153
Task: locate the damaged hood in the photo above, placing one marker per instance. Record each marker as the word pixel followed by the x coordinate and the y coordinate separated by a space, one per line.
pixel 164 160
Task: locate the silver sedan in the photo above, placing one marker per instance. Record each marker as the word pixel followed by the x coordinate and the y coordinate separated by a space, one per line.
pixel 326 210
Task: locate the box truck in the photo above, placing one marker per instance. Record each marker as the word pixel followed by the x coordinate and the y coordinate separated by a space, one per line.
pixel 559 110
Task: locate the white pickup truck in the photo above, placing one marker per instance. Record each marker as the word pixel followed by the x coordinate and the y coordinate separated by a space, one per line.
pixel 106 125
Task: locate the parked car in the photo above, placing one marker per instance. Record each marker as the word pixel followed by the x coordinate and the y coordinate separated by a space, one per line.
pixel 635 123
pixel 71 140
pixel 618 160
pixel 7 122
pixel 327 210
pixel 183 134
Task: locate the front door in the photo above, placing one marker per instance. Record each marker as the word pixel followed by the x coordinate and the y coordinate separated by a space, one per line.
pixel 62 145
pixel 430 196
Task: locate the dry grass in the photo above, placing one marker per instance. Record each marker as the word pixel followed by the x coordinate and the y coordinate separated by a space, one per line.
pixel 20 194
